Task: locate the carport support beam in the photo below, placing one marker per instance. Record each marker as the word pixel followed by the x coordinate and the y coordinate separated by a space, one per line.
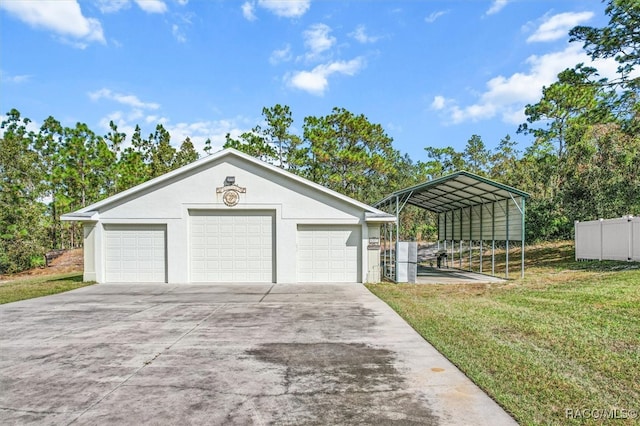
pixel 493 238
pixel 384 250
pixel 506 263
pixel 470 238
pixel 453 241
pixel 523 235
pixel 397 236
pixel 461 236
pixel 481 236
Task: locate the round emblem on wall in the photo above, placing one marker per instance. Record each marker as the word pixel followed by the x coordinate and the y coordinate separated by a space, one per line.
pixel 231 198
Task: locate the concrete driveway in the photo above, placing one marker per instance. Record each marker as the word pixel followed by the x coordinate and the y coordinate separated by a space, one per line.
pixel 226 354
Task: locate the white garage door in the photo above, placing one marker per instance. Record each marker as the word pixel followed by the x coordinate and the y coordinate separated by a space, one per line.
pixel 328 253
pixel 231 246
pixel 135 253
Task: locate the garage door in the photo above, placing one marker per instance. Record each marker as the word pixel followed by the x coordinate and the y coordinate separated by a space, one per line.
pixel 135 253
pixel 328 253
pixel 231 246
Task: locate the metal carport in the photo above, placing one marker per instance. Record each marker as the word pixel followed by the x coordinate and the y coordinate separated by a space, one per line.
pixel 470 208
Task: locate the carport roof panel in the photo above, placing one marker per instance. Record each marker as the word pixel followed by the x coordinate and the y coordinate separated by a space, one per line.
pixel 454 191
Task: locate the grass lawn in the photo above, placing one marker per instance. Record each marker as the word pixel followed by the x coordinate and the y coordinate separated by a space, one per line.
pixel 27 288
pixel 566 337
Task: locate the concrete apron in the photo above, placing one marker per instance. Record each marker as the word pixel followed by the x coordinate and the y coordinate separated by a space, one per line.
pixel 226 354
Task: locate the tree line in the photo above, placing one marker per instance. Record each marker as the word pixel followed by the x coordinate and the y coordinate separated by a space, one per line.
pixel 59 169
pixel 583 163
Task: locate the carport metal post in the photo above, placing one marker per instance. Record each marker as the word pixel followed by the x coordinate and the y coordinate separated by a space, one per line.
pixel 493 238
pixel 384 250
pixel 445 232
pixel 460 242
pixel 453 236
pixel 397 234
pixel 506 263
pixel 392 252
pixel 481 241
pixel 470 238
pixel 523 235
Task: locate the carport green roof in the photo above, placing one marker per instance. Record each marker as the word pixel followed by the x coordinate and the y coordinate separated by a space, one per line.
pixel 458 190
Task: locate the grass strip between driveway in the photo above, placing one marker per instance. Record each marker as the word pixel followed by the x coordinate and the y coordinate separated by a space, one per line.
pixel 561 346
pixel 28 288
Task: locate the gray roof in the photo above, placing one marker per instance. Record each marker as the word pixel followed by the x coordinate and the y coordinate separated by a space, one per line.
pixel 452 192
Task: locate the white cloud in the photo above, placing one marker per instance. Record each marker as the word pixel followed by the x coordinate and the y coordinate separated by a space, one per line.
pixel 197 131
pixel 129 100
pixel 316 81
pixel 248 11
pixel 558 26
pixel 281 55
pixel 286 8
pixel 149 6
pixel 360 34
pixel 15 79
pixel 439 102
pixel 435 15
pixel 497 6
pixel 64 18
pixel 178 34
pixel 507 96
pixel 318 39
pixel 200 131
pixel 152 6
pixel 514 115
pixel 111 6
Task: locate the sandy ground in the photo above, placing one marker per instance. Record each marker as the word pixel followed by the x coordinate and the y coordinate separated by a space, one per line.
pixel 69 261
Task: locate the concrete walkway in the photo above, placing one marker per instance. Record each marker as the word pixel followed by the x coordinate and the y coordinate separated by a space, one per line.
pixel 427 275
pixel 226 354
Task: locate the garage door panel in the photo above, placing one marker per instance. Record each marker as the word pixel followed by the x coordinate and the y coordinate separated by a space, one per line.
pixel 238 246
pixel 135 253
pixel 304 254
pixel 254 229
pixel 253 264
pixel 328 253
pixel 254 253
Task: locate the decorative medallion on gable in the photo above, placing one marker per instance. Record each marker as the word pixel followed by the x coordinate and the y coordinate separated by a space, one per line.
pixel 230 191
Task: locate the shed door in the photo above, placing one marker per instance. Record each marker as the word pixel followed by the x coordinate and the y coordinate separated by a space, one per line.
pixel 329 253
pixel 231 246
pixel 135 253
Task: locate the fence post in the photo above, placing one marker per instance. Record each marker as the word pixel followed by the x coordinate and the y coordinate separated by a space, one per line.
pixel 601 239
pixel 635 242
pixel 630 233
pixel 575 238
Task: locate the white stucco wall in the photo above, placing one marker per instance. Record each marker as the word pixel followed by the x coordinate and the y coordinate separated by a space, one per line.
pixel 89 254
pixel 170 202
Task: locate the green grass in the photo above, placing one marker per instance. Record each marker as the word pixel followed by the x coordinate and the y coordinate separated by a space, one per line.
pixel 565 337
pixel 28 288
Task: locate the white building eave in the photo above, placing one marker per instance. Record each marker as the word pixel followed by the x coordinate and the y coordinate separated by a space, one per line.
pixel 370 217
pixel 90 216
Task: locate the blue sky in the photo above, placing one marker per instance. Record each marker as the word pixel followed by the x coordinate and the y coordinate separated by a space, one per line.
pixel 432 73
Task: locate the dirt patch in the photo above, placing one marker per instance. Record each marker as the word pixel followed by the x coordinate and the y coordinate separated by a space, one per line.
pixel 70 261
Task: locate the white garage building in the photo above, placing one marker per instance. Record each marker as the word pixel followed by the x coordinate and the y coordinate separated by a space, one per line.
pixel 230 218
